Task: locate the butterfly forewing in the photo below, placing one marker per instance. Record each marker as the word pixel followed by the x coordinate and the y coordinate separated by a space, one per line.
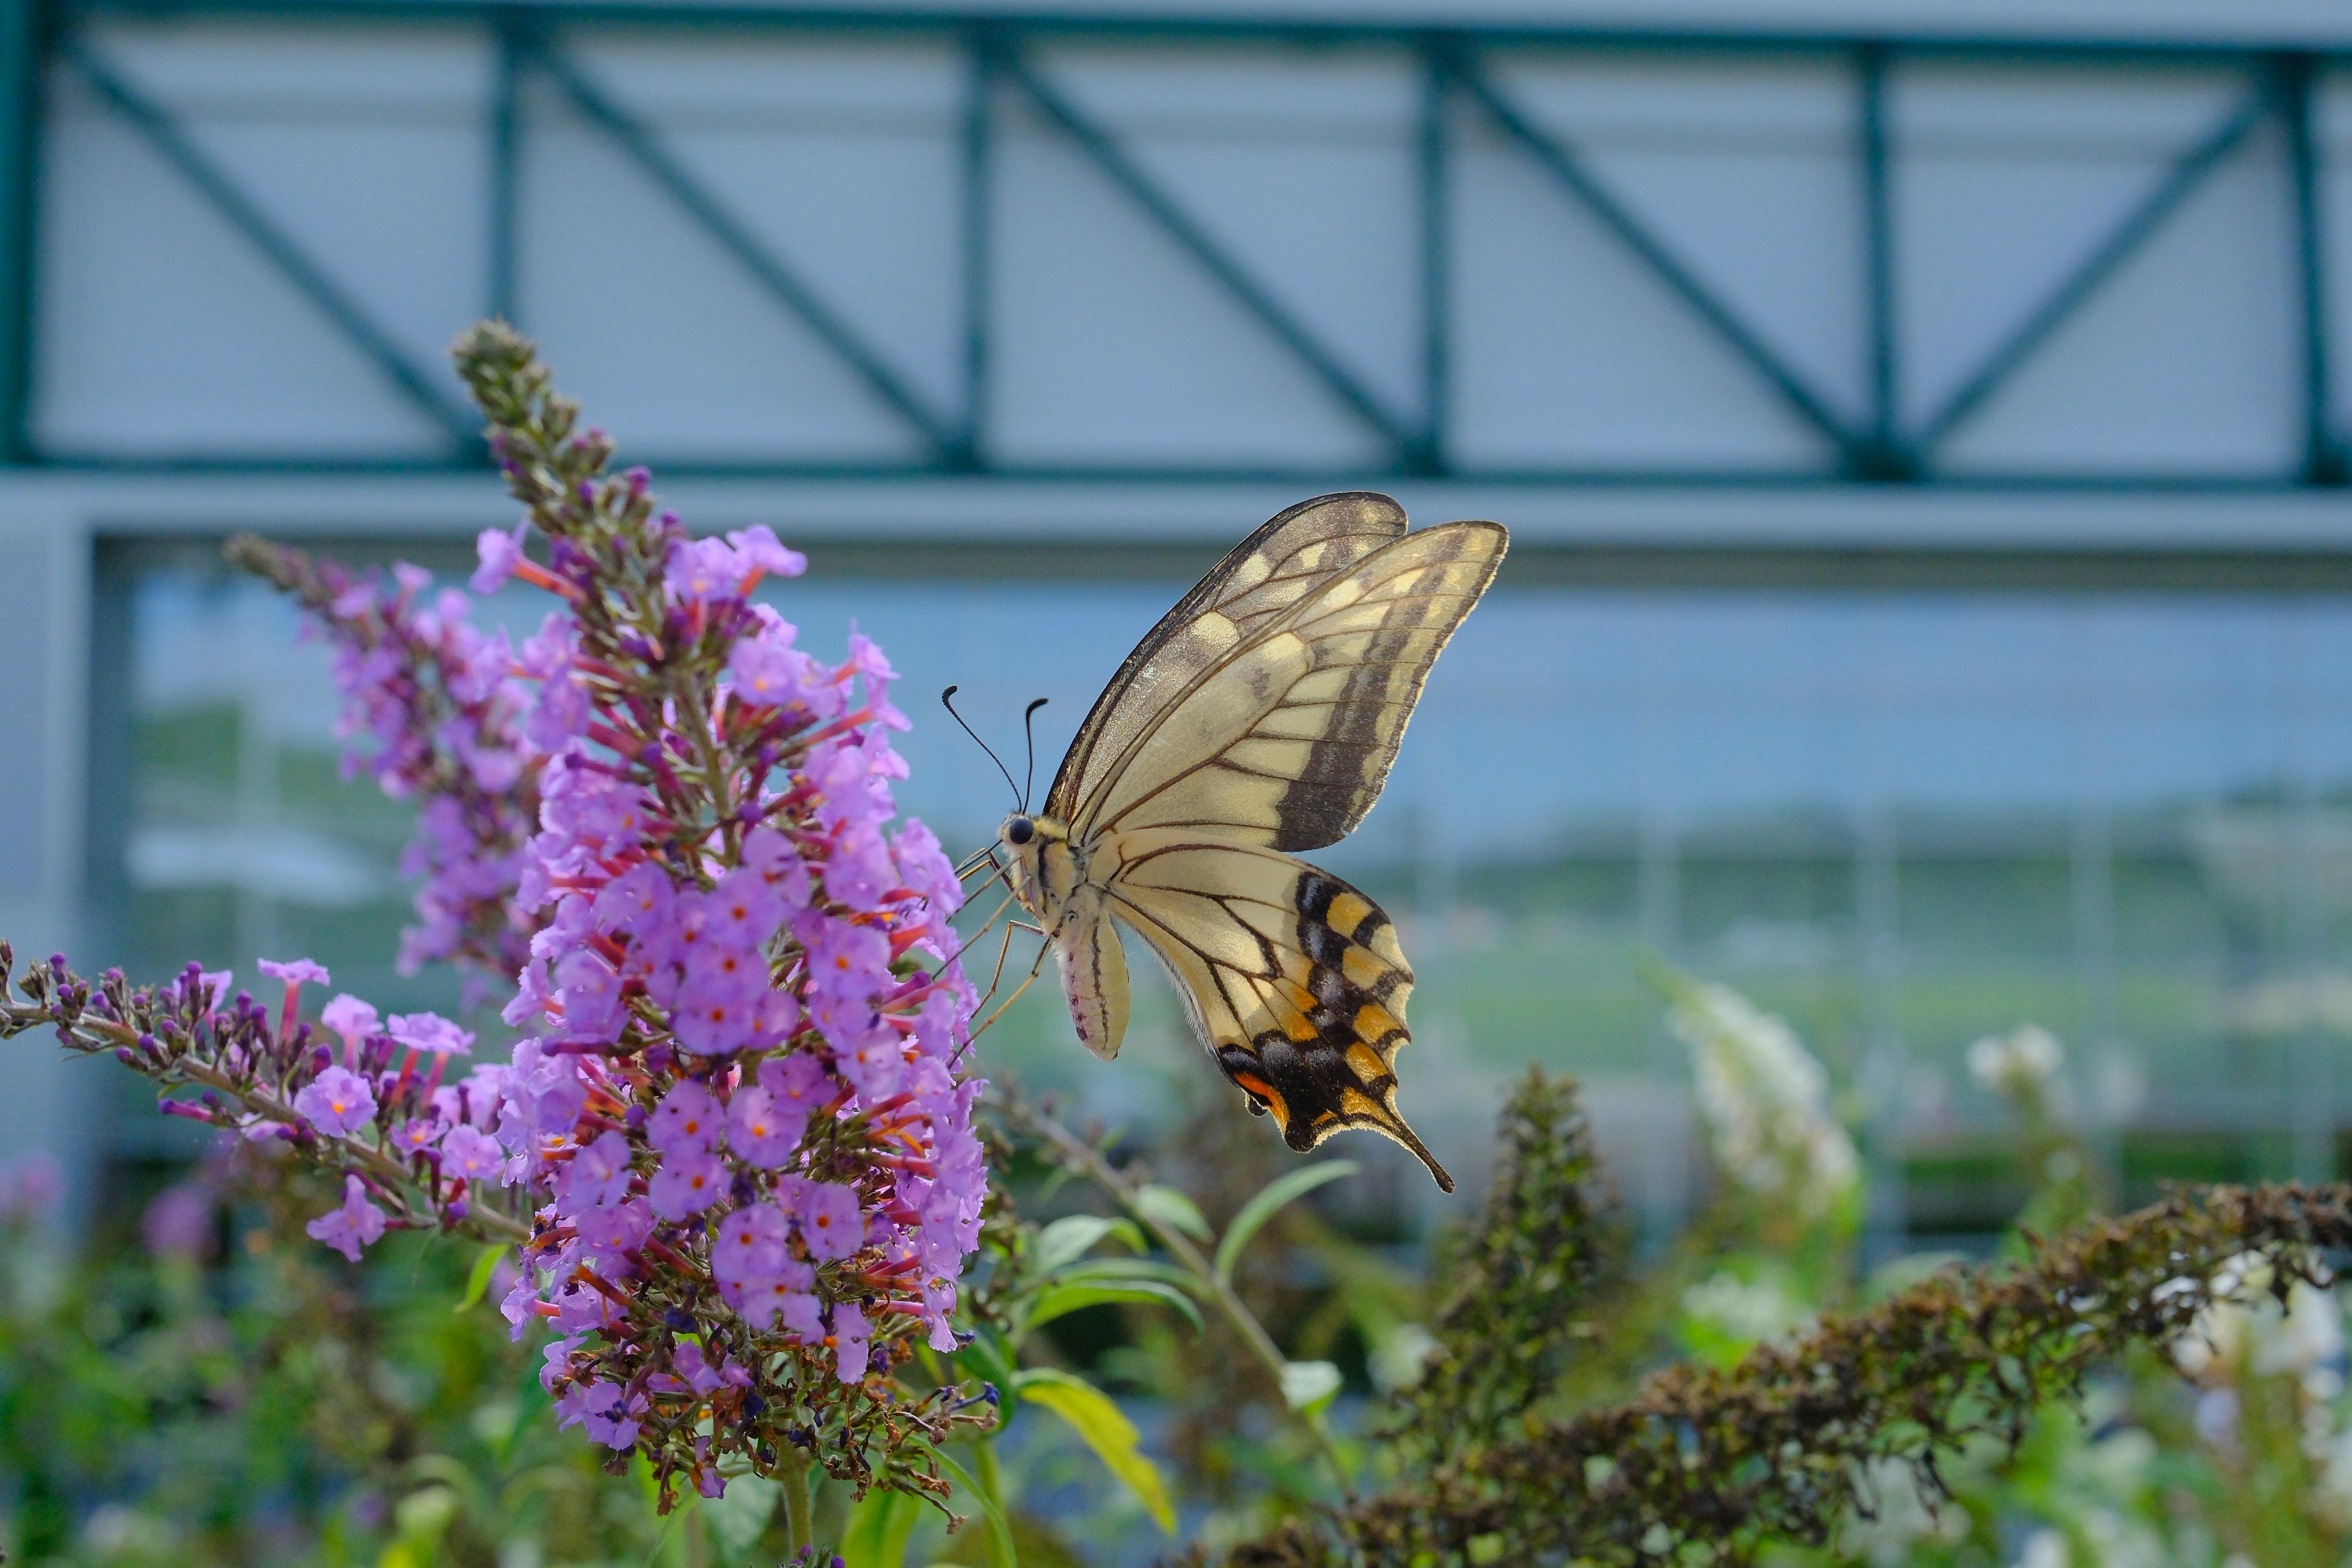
pixel 1294 978
pixel 1286 741
pixel 1264 575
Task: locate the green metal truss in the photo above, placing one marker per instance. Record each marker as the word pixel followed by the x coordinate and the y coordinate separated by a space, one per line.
pixel 39 37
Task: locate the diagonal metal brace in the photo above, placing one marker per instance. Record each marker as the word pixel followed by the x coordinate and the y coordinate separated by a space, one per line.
pixel 163 134
pixel 2179 183
pixel 1196 241
pixel 1568 170
pixel 768 269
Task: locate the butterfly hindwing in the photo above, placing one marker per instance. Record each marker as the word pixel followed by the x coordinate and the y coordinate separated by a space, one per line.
pixel 1285 741
pixel 1272 569
pixel 1293 978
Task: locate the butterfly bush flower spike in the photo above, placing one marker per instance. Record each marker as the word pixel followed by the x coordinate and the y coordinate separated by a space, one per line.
pixel 733 1144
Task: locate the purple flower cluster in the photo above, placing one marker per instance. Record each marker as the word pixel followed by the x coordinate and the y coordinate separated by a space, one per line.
pixel 732 1060
pixel 409 1144
pixel 734 1141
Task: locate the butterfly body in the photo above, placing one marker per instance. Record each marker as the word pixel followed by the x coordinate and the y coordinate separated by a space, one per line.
pixel 1260 717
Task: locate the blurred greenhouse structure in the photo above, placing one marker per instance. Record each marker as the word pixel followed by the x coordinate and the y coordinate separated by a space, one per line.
pixel 1930 604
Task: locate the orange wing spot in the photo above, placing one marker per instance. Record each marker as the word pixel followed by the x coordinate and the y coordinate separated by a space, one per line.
pixel 1257 1088
pixel 1366 1064
pixel 1356 1102
pixel 1347 913
pixel 1373 1023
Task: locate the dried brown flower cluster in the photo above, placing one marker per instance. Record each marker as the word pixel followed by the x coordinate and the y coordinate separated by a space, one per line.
pixel 1708 1462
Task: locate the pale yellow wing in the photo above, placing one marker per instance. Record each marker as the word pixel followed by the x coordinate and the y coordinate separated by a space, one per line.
pixel 1264 575
pixel 1285 741
pixel 1293 979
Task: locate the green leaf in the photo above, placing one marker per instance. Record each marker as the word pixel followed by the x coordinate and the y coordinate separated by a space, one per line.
pixel 1066 1297
pixel 878 1528
pixel 1069 1238
pixel 1101 1270
pixel 1107 1430
pixel 1172 1209
pixel 740 1517
pixel 1309 1385
pixel 1270 1198
pixel 477 1283
pixel 1000 1534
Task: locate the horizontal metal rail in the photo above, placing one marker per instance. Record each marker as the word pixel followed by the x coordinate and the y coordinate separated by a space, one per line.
pixel 919 18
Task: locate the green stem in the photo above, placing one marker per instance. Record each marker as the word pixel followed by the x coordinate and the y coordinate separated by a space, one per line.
pixel 799 1526
pixel 1083 1157
pixel 984 1470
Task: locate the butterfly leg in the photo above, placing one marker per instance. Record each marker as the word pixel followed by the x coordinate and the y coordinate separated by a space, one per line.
pixel 997 978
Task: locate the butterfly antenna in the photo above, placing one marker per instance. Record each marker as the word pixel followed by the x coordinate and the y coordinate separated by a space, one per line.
pixel 1029 729
pixel 946 700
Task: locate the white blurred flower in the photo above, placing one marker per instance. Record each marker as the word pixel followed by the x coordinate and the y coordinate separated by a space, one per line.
pixel 2045 1549
pixel 2027 1060
pixel 2335 1487
pixel 1757 1310
pixel 2118 1540
pixel 116 1530
pixel 1400 1357
pixel 1901 1515
pixel 1765 1101
pixel 2253 1333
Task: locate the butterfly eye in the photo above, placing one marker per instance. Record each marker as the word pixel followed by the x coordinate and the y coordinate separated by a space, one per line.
pixel 1019 830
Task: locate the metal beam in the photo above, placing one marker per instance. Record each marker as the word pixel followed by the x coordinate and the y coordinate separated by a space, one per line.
pixel 162 133
pixel 2324 460
pixel 2179 183
pixel 725 16
pixel 24 54
pixel 505 169
pixel 1569 172
pixel 1436 257
pixel 978 236
pixel 1887 457
pixel 783 284
pixel 1122 171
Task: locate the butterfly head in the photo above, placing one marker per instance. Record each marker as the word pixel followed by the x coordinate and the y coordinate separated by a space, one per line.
pixel 1043 867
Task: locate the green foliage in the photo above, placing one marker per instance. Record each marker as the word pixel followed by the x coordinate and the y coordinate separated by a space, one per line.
pixel 1266 1203
pixel 1513 1316
pixel 280 1407
pixel 1106 1431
